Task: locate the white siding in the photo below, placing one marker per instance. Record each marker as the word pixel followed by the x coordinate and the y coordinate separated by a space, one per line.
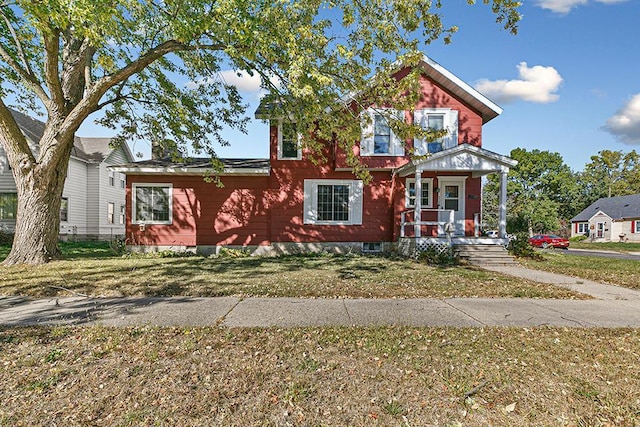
pixel 92 185
pixel 75 191
pixel 7 184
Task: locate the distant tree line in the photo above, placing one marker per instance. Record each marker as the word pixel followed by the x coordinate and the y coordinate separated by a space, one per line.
pixel 543 193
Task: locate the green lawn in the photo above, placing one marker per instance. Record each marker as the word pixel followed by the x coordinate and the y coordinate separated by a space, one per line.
pixel 92 270
pixel 606 246
pixel 606 270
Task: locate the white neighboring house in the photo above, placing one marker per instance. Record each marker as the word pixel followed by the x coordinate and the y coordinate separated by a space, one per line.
pixel 612 219
pixel 93 198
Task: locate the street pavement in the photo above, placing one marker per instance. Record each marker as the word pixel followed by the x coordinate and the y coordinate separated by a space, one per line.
pixel 612 306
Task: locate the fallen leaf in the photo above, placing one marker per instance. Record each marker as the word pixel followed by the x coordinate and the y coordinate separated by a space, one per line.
pixel 510 408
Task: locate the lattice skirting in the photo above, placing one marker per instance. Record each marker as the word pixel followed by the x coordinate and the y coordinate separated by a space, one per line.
pixel 412 248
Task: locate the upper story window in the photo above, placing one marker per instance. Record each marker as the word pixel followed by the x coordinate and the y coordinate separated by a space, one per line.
pixel 152 203
pixel 123 180
pixel 436 119
pixel 112 179
pixel 426 200
pixel 288 141
pixel 378 138
pixel 8 205
pixel 332 202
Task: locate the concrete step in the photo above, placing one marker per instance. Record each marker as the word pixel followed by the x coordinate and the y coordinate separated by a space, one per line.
pixel 484 255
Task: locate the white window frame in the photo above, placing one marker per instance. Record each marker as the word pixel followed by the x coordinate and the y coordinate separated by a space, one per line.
pixel 427 181
pixel 281 141
pixel 123 181
pixel 111 213
pixel 112 179
pixel 310 204
pixel 66 211
pixel 367 118
pixel 135 186
pixel 450 122
pixel 371 247
pixel 123 214
pixel 583 227
pixel 637 226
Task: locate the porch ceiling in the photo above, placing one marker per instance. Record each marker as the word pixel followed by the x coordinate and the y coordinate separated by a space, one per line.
pixel 462 158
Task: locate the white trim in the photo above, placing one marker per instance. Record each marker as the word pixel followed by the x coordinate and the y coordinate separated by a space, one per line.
pixel 310 204
pixel 461 213
pixel 134 187
pixel 463 157
pixel 449 122
pixel 280 150
pixel 429 182
pixel 150 170
pixel 367 141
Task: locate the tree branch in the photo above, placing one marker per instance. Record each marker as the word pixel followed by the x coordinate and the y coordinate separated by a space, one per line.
pixel 16 40
pixel 29 79
pixel 51 71
pixel 14 142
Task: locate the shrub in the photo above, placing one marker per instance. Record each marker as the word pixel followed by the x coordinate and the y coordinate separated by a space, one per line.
pixel 6 238
pixel 434 257
pixel 233 253
pixel 521 248
pixel 578 238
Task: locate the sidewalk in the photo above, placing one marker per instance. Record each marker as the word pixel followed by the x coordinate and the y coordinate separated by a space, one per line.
pixel 613 307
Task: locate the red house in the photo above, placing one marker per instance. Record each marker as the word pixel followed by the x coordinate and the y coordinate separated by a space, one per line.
pixel 287 204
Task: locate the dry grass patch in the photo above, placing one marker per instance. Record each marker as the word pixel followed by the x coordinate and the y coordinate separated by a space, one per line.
pixel 319 376
pixel 621 272
pixel 290 276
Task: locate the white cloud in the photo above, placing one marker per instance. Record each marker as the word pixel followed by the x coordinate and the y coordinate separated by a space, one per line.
pixel 249 84
pixel 565 6
pixel 625 124
pixel 536 84
pixel 241 80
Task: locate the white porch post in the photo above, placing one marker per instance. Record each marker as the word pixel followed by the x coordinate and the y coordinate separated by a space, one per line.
pixel 502 217
pixel 417 216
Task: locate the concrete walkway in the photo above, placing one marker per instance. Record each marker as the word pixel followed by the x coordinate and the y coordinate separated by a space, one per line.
pixel 613 307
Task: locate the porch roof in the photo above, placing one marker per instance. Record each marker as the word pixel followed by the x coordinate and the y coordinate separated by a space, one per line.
pixel 461 158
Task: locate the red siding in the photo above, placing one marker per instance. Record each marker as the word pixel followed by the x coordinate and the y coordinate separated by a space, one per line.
pixel 263 209
pixel 433 96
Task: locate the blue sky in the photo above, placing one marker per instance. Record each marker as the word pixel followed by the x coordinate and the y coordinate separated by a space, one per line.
pixel 569 82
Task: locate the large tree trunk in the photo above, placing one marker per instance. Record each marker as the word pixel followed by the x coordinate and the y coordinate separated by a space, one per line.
pixel 38 218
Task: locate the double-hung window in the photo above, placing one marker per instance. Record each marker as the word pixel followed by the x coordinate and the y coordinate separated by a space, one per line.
pixel 288 141
pixel 112 179
pixel 152 203
pixel 64 209
pixel 637 229
pixel 111 208
pixel 8 206
pixel 410 193
pixel 436 119
pixel 583 227
pixel 378 138
pixel 332 202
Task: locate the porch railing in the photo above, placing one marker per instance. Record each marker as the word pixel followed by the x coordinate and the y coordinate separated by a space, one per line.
pixel 417 222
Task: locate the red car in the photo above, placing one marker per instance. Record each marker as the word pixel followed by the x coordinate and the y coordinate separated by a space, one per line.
pixel 549 241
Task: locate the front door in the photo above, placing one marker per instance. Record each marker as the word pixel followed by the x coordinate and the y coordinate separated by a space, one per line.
pixel 451 198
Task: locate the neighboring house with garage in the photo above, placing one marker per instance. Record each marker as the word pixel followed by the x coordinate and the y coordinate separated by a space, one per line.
pixel 286 203
pixel 93 198
pixel 610 219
